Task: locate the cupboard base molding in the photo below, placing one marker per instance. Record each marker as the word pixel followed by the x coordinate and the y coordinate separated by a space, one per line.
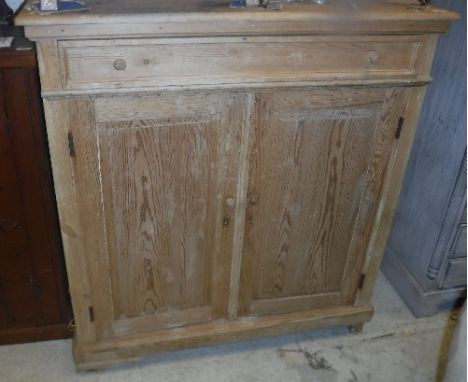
pixel 108 353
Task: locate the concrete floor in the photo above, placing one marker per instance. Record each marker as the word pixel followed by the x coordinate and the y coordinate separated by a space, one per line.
pixel 394 347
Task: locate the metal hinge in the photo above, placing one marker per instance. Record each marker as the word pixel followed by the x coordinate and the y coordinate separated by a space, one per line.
pixel 399 128
pixel 71 144
pixel 91 313
pixel 71 325
pixel 361 281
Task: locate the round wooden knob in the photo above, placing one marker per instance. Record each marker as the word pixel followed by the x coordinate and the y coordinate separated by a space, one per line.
pixel 373 57
pixel 120 64
pixel 231 202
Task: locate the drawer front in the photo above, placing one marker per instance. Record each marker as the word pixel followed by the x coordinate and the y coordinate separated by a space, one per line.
pixel 197 61
pixel 455 275
pixel 459 244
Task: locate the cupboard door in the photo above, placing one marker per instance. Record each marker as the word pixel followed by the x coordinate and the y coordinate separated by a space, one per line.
pixel 318 166
pixel 156 180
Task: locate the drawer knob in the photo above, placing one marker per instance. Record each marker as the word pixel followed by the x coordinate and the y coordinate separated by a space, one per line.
pixel 231 202
pixel 120 64
pixel 373 57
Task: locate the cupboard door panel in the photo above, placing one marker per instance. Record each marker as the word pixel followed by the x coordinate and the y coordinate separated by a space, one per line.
pixel 166 166
pixel 157 188
pixel 317 167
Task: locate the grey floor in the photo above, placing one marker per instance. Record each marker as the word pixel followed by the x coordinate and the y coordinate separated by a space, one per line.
pixel 393 347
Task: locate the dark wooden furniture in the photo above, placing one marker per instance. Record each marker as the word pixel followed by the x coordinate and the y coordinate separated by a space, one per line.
pixel 33 298
pixel 425 258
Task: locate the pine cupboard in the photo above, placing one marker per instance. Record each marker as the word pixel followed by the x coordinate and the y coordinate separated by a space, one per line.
pixel 227 174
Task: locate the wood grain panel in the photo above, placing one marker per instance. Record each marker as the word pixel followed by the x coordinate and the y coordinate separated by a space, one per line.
pixel 376 192
pixel 154 179
pixel 164 62
pixel 157 178
pixel 201 18
pixel 310 167
pixel 163 320
pixel 110 352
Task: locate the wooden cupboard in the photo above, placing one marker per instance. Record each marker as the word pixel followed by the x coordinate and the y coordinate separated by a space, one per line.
pixel 217 182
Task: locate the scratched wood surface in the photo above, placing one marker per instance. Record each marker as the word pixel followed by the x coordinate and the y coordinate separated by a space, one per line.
pixel 156 178
pixel 107 12
pixel 313 159
pixel 164 62
pixel 220 189
pixel 152 185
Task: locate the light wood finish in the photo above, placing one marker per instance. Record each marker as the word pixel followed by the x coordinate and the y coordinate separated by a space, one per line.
pixel 227 174
pixel 209 61
pixel 110 352
pixel 312 198
pixel 214 17
pixel 158 187
pixel 89 66
pixel 58 122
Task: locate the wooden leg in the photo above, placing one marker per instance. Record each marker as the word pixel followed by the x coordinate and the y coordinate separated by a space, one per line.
pixel 357 328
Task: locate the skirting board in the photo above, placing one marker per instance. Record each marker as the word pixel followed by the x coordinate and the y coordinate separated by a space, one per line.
pixel 421 303
pixel 33 334
pixel 108 353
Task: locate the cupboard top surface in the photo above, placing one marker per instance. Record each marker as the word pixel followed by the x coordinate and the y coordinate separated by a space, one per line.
pixel 142 11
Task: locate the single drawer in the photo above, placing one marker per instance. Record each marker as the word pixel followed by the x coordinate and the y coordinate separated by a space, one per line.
pixel 216 61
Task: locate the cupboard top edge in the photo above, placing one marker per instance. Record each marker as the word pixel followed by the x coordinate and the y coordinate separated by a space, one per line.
pixel 217 17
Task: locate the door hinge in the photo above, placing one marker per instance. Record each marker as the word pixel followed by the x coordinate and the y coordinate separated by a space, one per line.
pixel 71 325
pixel 71 144
pixel 399 128
pixel 361 281
pixel 91 313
